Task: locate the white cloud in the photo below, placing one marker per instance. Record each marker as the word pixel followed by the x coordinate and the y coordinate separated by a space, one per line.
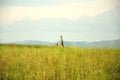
pixel 71 11
pixel 101 27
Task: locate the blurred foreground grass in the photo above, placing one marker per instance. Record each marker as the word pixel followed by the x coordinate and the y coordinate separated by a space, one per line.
pixel 37 62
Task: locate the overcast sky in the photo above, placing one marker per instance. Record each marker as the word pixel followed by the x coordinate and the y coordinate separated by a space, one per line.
pixel 46 20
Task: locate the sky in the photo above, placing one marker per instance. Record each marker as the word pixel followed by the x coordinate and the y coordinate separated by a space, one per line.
pixel 46 20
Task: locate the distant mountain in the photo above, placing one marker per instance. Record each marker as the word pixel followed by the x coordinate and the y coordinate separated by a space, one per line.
pixel 34 42
pixel 99 44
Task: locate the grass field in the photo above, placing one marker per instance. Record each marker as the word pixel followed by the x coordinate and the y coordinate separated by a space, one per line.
pixel 35 62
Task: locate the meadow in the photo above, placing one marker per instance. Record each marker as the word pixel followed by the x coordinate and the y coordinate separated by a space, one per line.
pixel 37 62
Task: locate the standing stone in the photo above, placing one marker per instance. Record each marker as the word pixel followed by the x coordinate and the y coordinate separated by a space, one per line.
pixel 61 41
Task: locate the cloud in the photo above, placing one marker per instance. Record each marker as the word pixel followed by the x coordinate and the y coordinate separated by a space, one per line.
pixel 10 14
pixel 104 26
pixel 77 20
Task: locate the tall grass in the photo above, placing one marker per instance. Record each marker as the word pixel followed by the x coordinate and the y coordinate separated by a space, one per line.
pixel 35 62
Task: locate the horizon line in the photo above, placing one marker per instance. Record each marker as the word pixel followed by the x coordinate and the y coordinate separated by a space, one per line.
pixel 57 41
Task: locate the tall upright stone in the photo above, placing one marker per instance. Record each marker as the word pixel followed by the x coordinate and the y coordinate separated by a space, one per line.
pixel 61 41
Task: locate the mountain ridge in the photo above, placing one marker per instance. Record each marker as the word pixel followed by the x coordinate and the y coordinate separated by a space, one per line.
pixel 94 44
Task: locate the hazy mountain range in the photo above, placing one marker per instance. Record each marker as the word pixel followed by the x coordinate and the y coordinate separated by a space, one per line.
pixel 99 44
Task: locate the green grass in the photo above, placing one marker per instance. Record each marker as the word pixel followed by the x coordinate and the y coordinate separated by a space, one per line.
pixel 36 62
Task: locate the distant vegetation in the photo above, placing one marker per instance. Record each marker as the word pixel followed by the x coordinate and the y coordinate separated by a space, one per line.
pixel 38 62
